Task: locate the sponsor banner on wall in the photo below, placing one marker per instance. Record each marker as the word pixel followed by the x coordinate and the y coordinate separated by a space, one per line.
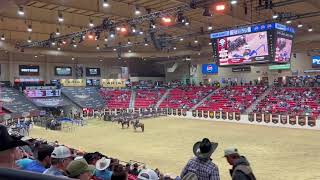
pixel 193 70
pixel 284 119
pixel 302 120
pixel 199 113
pixel 184 113
pixel 194 113
pixel 230 115
pixel 211 114
pixel 267 118
pixel 312 121
pixel 251 117
pixel 205 114
pixel 73 82
pixel 237 116
pixel 218 114
pixel 259 117
pixel 224 115
pixel 275 118
pixel 174 112
pixel 292 119
pixel 113 83
pixel 179 112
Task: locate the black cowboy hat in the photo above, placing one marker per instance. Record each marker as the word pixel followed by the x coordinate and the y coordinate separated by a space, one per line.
pixel 7 141
pixel 205 148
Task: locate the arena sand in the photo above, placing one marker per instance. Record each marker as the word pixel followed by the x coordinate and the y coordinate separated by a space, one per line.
pixel 274 153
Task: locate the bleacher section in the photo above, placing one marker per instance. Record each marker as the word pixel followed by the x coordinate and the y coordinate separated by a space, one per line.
pixel 50 102
pixel 291 100
pixel 85 97
pixel 232 99
pixel 116 99
pixel 148 98
pixel 15 102
pixel 185 97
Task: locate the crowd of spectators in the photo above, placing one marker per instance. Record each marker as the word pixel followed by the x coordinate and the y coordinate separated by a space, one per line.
pixel 291 100
pixel 232 98
pixel 148 98
pixel 298 81
pixel 185 97
pixel 116 98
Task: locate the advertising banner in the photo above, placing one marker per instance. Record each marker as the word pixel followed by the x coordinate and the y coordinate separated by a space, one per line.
pixel 73 82
pixel 113 83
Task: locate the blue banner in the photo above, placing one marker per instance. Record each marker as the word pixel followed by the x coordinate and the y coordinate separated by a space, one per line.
pixel 209 69
pixel 252 29
pixel 316 61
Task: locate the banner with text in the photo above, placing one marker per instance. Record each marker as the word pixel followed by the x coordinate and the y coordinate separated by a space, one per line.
pixel 113 83
pixel 73 82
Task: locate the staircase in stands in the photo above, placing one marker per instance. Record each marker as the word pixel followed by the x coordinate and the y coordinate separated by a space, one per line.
pixel 257 101
pixel 162 98
pixel 132 99
pixel 204 99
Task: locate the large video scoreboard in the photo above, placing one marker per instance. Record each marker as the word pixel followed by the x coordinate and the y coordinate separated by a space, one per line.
pixel 261 43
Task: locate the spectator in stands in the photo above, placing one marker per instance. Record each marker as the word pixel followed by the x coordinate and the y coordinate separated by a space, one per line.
pixel 79 169
pixel 9 152
pixel 148 174
pixel 91 158
pixel 202 164
pixel 43 161
pixel 135 170
pixel 60 159
pixel 101 171
pixel 119 173
pixel 241 169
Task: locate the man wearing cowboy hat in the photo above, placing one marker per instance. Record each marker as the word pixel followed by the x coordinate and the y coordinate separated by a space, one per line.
pixel 8 148
pixel 101 171
pixel 201 165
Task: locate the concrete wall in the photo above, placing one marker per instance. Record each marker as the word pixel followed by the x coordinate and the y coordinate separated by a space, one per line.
pixel 299 63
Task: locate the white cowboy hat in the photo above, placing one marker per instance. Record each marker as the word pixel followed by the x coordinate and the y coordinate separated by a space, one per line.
pixel 102 164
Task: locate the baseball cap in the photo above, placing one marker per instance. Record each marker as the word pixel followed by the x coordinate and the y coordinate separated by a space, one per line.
pixel 148 174
pixel 78 167
pixel 61 152
pixel 230 151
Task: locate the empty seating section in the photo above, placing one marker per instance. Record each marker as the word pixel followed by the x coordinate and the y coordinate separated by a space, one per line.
pixel 116 99
pixel 85 97
pixel 295 100
pixel 15 102
pixel 232 99
pixel 185 97
pixel 148 98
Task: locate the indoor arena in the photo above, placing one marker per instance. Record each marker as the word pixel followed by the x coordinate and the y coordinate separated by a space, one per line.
pixel 159 89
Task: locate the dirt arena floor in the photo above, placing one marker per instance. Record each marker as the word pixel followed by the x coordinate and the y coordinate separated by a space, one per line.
pixel 274 153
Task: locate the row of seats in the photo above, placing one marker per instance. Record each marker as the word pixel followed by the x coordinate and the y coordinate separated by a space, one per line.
pixel 232 99
pixel 86 97
pixel 291 100
pixel 185 97
pixel 116 99
pixel 148 98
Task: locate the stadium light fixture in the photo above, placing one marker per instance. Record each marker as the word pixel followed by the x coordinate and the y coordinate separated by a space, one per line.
pixel 29 40
pixel 29 29
pixel 112 35
pixel 129 51
pixel 289 22
pixel 21 11
pixel 174 48
pixel 53 43
pixel 3 37
pixel 220 7
pixel 75 45
pixel 310 29
pixel 233 2
pixel 275 16
pixel 105 39
pixel 141 32
pixel 181 39
pixel 105 3
pixel 36 56
pixel 98 47
pixel 91 23
pixel 129 42
pixel 210 27
pixel 137 11
pixel 60 17
pixel 72 58
pixel 58 32
pixel 59 49
pixel 90 36
pixel 210 43
pixel 196 41
pixel 300 25
pixel 114 49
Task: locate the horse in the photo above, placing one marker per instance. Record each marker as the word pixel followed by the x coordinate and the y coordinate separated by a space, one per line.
pixel 136 124
pixel 123 122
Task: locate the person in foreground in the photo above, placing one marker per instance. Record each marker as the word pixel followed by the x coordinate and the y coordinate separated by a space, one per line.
pixel 241 169
pixel 201 165
pixel 147 174
pixel 9 152
pixel 79 169
pixel 101 171
pixel 43 160
pixel 60 159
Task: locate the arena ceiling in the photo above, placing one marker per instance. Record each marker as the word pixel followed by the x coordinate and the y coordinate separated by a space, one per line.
pixel 43 15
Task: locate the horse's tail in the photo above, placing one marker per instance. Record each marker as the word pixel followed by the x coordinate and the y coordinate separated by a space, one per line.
pixel 142 127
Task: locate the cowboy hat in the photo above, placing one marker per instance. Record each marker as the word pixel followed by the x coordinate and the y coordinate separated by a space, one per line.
pixel 7 141
pixel 204 148
pixel 102 164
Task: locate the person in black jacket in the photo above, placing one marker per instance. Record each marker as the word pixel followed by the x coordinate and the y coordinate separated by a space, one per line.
pixel 241 169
